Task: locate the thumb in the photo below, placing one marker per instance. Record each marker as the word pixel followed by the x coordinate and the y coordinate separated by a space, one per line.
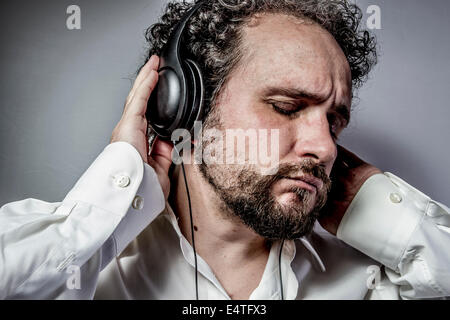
pixel 161 154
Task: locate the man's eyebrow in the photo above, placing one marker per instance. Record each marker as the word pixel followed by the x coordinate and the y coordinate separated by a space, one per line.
pixel 293 93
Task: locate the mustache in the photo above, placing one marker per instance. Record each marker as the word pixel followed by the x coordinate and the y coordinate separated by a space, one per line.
pixel 306 167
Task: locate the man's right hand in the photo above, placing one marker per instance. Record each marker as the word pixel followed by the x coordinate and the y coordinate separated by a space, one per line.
pixel 132 127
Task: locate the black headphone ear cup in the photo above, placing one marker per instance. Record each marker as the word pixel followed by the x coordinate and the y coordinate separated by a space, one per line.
pixel 195 95
pixel 177 100
pixel 163 105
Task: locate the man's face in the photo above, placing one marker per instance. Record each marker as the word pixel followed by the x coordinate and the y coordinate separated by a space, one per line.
pixel 295 78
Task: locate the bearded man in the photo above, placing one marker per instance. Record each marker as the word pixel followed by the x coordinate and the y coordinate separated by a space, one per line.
pixel 311 230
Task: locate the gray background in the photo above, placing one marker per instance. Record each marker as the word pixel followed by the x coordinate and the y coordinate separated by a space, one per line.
pixel 62 92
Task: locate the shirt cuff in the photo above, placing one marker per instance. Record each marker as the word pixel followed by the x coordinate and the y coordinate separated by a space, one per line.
pixel 128 192
pixel 112 180
pixel 148 203
pixel 382 218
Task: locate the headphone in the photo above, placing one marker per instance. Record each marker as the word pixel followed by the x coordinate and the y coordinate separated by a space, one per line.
pixel 177 100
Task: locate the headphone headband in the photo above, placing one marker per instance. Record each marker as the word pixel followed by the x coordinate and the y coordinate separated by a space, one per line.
pixel 174 42
pixel 177 100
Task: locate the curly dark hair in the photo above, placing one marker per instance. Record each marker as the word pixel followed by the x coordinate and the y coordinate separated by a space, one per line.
pixel 214 33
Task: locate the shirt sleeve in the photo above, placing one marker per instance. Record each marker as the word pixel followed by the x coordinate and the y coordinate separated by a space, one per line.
pixel 57 250
pixel 406 231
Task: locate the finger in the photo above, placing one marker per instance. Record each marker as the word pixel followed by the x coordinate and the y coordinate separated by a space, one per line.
pixel 348 159
pixel 162 153
pixel 138 104
pixel 152 64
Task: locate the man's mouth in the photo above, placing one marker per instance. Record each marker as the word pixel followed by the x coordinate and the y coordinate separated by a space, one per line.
pixel 307 182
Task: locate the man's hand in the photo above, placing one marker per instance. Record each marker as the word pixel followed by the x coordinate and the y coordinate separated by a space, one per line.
pixel 132 127
pixel 348 175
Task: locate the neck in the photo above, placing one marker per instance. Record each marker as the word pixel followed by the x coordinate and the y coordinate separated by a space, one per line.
pixel 222 240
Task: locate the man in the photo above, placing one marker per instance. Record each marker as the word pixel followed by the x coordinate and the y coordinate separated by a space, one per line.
pixel 290 66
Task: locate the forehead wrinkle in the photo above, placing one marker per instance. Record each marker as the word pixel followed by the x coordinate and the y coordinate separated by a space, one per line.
pixel 273 51
pixel 260 64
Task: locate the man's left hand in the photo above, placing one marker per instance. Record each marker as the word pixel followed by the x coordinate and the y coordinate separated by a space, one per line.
pixel 348 175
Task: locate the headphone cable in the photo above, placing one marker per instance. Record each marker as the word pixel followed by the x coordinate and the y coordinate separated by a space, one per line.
pixel 279 268
pixel 192 230
pixel 191 218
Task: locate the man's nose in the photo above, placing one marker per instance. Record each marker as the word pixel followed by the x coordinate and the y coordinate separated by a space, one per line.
pixel 315 141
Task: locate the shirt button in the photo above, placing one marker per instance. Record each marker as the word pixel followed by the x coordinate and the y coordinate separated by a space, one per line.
pixel 433 211
pixel 122 181
pixel 138 203
pixel 395 198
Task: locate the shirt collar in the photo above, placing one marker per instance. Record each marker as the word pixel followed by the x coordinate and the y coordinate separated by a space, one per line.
pixel 289 250
pixel 307 244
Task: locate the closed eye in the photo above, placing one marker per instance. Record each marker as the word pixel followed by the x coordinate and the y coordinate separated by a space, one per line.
pixel 286 109
pixel 338 119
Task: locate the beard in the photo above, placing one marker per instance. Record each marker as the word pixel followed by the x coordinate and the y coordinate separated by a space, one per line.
pixel 247 195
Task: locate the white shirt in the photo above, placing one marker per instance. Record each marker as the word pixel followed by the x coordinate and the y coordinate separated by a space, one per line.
pixel 109 240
